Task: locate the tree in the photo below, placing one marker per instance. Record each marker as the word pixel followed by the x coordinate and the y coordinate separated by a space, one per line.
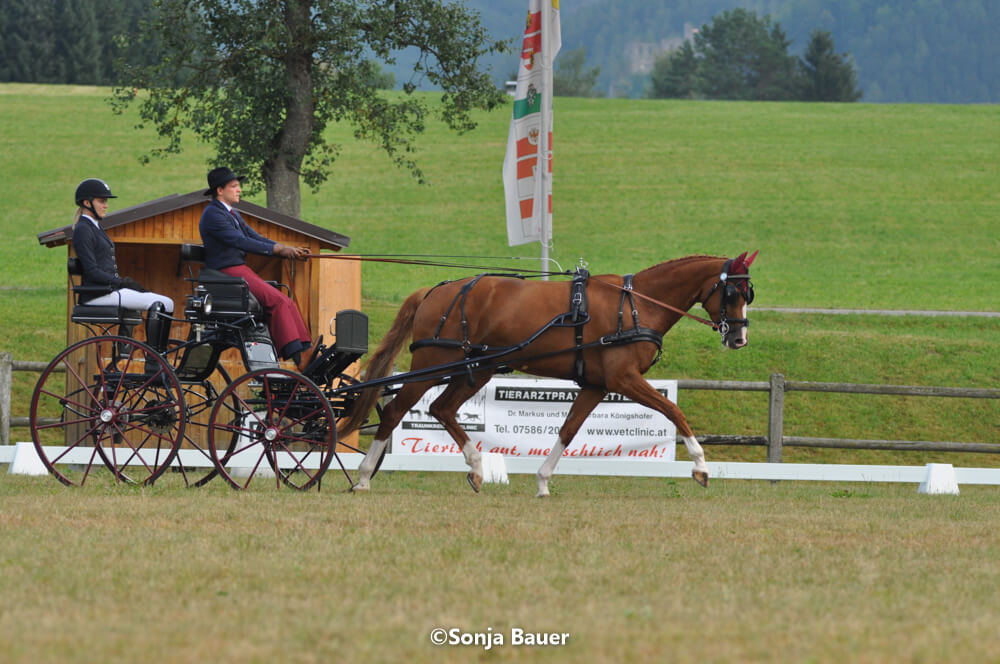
pixel 825 74
pixel 78 47
pixel 262 79
pixel 67 41
pixel 570 79
pixel 743 56
pixel 673 74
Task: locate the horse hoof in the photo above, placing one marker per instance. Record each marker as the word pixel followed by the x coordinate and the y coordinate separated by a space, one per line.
pixel 357 488
pixel 700 477
pixel 475 481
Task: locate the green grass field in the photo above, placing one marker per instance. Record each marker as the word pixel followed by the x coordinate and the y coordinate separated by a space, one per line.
pixel 633 570
pixel 850 206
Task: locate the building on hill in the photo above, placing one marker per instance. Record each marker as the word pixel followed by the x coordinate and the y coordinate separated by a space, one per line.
pixel 642 55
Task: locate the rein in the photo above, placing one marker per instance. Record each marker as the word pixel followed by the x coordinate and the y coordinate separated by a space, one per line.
pixel 703 321
pixel 404 259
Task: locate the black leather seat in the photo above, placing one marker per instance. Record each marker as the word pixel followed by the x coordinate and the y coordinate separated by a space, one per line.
pixel 231 297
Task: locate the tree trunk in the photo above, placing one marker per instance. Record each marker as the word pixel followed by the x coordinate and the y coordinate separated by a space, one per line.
pixel 281 172
pixel 282 185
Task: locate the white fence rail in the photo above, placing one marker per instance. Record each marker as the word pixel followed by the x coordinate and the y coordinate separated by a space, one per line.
pixel 776 386
pixel 613 467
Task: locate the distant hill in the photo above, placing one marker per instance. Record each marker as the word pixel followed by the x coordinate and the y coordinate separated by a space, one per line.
pixel 904 51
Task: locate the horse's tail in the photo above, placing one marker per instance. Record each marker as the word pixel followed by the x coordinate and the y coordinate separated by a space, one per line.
pixel 379 364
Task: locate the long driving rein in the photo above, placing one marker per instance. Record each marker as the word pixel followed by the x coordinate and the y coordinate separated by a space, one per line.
pixel 722 327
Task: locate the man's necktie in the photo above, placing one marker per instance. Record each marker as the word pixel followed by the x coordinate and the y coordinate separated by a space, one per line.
pixel 236 220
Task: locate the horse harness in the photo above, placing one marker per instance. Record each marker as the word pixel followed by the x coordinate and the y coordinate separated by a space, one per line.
pixel 577 317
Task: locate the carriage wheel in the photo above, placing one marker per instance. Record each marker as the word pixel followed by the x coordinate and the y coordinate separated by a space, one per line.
pixel 283 423
pixel 110 400
pixel 199 399
pixel 341 405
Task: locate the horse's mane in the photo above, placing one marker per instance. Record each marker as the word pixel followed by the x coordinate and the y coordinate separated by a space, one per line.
pixel 676 262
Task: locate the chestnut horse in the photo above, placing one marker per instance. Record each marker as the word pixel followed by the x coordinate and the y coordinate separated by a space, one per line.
pixel 606 348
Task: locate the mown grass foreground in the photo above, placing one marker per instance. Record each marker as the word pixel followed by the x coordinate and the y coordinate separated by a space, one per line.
pixel 632 570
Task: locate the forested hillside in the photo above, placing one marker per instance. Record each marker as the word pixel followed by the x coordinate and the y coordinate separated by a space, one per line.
pixel 904 51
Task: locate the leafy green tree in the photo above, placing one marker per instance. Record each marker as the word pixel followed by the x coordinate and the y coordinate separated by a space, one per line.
pixel 744 57
pixel 673 74
pixel 262 79
pixel 380 78
pixel 825 74
pixel 570 79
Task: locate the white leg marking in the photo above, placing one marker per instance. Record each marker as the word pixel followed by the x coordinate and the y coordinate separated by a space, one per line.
pixel 696 453
pixel 473 458
pixel 367 466
pixel 548 467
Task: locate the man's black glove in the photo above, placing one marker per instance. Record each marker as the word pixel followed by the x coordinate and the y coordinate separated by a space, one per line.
pixel 129 282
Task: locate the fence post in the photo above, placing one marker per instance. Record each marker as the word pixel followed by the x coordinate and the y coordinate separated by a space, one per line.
pixel 775 418
pixel 6 373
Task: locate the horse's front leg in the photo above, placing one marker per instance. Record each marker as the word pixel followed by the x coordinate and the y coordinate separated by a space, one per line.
pixel 636 388
pixel 585 402
pixel 696 454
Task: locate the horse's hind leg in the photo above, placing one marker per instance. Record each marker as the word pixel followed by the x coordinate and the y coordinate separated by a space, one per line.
pixel 391 415
pixel 445 408
pixel 582 406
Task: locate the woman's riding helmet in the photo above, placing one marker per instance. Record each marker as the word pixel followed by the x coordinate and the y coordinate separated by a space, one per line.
pixel 92 188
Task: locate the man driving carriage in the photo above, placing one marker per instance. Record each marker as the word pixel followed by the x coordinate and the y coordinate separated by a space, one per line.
pixel 228 239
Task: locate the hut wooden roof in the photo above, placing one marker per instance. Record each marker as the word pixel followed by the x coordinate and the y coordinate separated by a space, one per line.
pixel 327 238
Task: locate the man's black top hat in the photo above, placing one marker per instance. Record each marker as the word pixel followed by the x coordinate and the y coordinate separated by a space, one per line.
pixel 220 177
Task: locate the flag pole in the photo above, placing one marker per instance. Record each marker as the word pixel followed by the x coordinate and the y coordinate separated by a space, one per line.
pixel 544 153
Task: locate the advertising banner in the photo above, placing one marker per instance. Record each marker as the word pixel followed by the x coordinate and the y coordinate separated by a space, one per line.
pixel 521 417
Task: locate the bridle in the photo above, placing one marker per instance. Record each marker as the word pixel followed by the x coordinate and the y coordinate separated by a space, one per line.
pixel 730 293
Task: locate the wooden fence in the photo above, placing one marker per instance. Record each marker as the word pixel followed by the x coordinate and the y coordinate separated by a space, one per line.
pixel 777 386
pixel 775 439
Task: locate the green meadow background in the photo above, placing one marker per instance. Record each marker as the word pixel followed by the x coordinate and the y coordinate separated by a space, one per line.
pixel 850 205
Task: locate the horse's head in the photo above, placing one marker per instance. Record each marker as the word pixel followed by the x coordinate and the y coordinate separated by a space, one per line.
pixel 727 301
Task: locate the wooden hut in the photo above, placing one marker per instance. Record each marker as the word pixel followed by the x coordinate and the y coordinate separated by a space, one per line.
pixel 148 238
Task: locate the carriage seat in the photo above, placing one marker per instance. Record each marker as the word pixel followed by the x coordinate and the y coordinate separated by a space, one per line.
pixel 231 297
pixel 102 315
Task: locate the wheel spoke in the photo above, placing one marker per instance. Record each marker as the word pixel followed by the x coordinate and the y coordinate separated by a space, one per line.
pixel 126 416
pixel 284 414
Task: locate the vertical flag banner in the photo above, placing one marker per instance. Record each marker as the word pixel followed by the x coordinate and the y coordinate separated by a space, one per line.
pixel 522 179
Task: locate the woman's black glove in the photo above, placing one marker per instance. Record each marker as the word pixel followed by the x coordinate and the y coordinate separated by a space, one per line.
pixel 129 282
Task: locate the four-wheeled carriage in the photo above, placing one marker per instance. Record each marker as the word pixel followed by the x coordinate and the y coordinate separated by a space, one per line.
pixel 113 402
pixel 288 422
